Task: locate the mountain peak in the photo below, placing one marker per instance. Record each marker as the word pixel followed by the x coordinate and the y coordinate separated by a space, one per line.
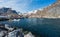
pixel 7 10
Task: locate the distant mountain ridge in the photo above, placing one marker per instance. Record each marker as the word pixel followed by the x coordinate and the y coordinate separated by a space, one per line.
pixel 7 10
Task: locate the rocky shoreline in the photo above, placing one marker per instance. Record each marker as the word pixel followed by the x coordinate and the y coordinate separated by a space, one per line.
pixel 8 31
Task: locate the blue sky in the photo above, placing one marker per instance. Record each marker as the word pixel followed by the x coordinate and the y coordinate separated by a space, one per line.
pixel 25 5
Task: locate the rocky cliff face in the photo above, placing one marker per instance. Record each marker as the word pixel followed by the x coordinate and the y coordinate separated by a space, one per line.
pixel 50 12
pixel 54 9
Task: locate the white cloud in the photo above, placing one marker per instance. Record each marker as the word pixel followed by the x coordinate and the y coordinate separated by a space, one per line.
pixel 1 0
pixel 19 5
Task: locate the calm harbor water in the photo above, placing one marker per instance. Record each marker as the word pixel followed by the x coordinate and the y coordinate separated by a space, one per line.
pixel 42 27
